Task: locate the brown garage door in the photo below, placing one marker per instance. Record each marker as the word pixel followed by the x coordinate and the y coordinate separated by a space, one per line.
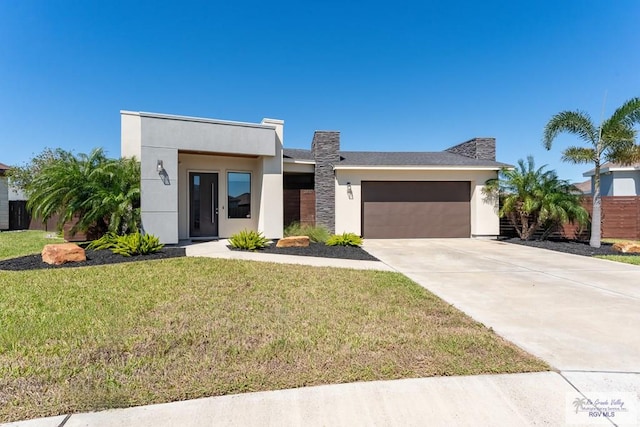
pixel 416 209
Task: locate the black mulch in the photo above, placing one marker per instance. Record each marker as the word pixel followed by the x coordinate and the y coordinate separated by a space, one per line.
pixel 567 246
pixel 103 257
pixel 321 250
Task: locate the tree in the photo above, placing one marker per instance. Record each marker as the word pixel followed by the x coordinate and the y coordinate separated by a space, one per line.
pixel 22 176
pixel 101 192
pixel 613 141
pixel 534 199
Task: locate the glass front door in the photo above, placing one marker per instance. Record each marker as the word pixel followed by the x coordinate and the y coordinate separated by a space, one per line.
pixel 203 202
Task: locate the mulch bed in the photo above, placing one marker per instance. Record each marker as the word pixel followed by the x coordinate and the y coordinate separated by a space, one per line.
pixel 320 250
pixel 103 257
pixel 568 246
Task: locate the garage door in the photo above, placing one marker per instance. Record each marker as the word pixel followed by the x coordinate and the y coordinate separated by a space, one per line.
pixel 405 209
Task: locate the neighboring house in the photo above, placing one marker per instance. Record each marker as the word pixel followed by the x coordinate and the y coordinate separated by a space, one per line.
pixel 617 180
pixel 584 187
pixel 205 178
pixel 4 198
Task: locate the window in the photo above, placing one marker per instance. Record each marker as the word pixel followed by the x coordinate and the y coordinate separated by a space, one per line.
pixel 239 194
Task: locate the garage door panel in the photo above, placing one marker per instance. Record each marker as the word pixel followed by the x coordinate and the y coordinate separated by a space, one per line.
pixel 418 191
pixel 434 209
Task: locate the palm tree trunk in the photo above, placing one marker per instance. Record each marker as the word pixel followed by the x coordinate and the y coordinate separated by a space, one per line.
pixel 596 213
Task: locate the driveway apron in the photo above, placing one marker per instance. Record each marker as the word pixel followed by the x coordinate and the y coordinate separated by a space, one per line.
pixel 579 314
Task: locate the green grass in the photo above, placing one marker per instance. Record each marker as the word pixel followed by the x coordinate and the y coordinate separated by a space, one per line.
pixel 19 243
pixel 627 259
pixel 314 233
pixel 83 339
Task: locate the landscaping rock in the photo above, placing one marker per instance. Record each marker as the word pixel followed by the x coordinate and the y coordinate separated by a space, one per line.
pixel 62 253
pixel 293 242
pixel 627 247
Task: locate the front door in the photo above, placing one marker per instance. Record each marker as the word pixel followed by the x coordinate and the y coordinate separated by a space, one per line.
pixel 203 202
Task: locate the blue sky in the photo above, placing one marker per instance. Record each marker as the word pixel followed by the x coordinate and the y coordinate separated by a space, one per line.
pixel 401 76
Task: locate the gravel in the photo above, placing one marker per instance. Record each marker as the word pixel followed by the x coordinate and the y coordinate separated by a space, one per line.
pixel 103 257
pixel 320 250
pixel 568 246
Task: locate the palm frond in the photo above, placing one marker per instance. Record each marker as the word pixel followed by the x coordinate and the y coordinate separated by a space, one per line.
pixel 574 122
pixel 578 155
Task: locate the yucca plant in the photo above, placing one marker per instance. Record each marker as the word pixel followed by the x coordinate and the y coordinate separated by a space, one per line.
pixel 107 241
pixel 344 239
pixel 248 240
pixel 136 244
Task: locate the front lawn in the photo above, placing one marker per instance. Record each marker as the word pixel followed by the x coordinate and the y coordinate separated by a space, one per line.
pixel 82 339
pixel 627 259
pixel 18 243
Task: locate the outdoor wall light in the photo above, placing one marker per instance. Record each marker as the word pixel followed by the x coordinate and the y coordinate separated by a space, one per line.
pixel 160 166
pixel 349 191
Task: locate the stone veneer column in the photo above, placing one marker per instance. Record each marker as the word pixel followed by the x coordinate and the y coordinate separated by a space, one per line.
pixel 325 147
pixel 476 148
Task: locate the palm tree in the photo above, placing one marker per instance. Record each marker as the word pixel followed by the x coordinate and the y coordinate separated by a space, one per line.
pixel 535 198
pixel 613 141
pixel 98 191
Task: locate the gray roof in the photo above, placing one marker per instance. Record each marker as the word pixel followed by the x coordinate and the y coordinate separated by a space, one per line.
pixel 398 158
pixel 297 154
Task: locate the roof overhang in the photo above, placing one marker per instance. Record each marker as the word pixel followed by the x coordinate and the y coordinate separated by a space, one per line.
pixel 300 162
pixel 419 168
pixel 609 169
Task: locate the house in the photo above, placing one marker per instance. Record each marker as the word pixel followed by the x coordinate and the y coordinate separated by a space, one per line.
pixel 204 178
pixel 4 198
pixel 584 187
pixel 617 180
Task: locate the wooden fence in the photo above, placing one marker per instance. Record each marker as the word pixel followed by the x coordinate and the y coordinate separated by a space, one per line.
pixel 620 219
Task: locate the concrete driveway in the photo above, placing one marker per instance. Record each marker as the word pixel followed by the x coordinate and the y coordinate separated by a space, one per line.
pixel 580 314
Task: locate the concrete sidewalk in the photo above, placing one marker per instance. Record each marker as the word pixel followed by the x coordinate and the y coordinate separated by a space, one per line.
pixel 219 249
pixel 484 400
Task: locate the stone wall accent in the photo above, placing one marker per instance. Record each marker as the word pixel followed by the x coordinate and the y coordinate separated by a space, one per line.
pixel 476 148
pixel 325 147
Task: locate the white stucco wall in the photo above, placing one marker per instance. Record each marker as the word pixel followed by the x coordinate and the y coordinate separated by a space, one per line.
pixel 484 212
pixel 270 221
pixel 220 165
pixel 186 144
pixel 626 183
pixel 130 134
pixel 297 167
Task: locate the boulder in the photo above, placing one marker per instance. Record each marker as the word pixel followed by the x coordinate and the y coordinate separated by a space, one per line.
pixel 627 247
pixel 293 242
pixel 63 252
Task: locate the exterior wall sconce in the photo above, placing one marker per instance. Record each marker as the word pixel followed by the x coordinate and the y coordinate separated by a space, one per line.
pixel 160 166
pixel 349 191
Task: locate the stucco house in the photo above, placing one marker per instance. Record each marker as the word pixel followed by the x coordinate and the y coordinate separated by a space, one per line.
pixel 617 180
pixel 204 178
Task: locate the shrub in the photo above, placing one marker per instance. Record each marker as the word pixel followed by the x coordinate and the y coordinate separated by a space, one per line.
pixel 344 239
pixel 316 233
pixel 107 241
pixel 248 240
pixel 136 244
